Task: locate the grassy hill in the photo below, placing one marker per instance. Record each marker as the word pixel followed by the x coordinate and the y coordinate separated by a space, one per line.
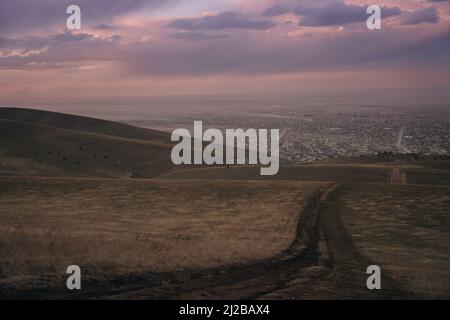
pixel 84 124
pixel 53 144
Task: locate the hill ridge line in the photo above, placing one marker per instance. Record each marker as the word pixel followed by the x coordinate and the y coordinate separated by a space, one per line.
pixel 89 133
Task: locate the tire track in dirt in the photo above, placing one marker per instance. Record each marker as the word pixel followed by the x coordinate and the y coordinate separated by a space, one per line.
pixel 345 276
pixel 248 281
pixel 321 263
pixel 242 281
pixel 256 280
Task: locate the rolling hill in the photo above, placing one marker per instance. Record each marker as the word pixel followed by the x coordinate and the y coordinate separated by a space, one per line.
pixel 52 144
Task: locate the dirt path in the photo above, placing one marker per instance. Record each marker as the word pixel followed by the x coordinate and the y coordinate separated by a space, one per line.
pixel 346 266
pixel 246 281
pixel 321 263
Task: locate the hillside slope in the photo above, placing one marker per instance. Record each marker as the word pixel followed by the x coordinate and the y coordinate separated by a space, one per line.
pixel 79 123
pixel 52 144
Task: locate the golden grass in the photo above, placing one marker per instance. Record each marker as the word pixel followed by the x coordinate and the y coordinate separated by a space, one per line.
pixel 117 227
pixel 11 165
pixel 343 174
pixel 403 229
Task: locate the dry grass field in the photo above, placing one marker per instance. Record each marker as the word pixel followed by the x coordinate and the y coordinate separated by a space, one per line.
pixel 288 172
pixel 115 227
pixel 327 171
pixel 105 196
pixel 402 228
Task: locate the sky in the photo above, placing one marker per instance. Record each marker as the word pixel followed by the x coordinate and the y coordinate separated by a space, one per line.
pixel 139 48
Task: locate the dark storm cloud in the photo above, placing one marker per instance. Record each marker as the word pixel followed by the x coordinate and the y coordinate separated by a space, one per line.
pixel 425 15
pixel 25 15
pixel 223 20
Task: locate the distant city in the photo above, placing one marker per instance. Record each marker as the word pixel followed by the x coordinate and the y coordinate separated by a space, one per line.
pixel 310 129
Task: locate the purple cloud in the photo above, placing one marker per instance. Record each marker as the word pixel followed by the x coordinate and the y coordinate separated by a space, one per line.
pixel 105 26
pixel 321 13
pixel 334 13
pixel 219 44
pixel 425 15
pixel 23 15
pixel 56 51
pixel 223 20
pixel 383 49
pixel 275 10
pixel 198 36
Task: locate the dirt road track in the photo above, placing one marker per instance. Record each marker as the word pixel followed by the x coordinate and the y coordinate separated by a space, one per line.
pixel 321 263
pixel 250 281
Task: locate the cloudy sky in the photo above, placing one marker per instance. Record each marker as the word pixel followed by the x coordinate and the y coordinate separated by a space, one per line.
pixel 132 48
